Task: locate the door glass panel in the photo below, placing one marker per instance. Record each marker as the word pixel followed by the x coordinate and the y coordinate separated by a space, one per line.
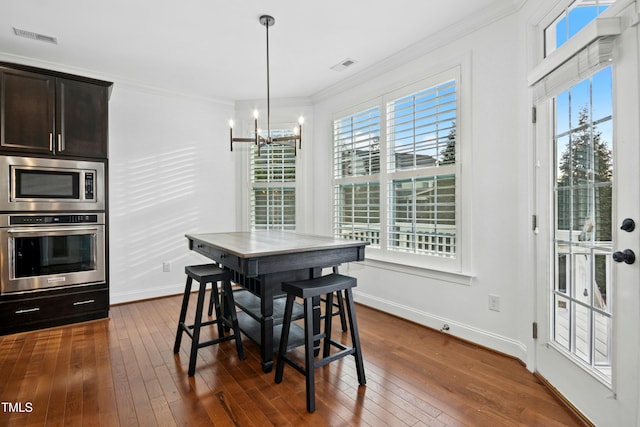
pixel 43 255
pixel 601 283
pixel 582 331
pixel 42 184
pixel 583 148
pixel 562 267
pixel 561 325
pixel 602 332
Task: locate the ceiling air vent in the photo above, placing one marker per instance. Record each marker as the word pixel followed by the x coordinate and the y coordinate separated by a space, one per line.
pixel 343 65
pixel 34 36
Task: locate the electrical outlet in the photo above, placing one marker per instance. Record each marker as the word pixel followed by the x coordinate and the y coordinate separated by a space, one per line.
pixel 494 302
pixel 166 266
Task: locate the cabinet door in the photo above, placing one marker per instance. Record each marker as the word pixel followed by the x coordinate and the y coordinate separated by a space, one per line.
pixel 81 119
pixel 26 111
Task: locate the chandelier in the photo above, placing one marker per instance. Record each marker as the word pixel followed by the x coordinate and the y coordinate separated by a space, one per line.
pixel 259 139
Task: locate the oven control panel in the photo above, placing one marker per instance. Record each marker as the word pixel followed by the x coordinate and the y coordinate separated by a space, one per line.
pixel 52 219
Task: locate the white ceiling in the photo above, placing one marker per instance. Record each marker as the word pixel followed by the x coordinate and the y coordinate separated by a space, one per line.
pixel 217 49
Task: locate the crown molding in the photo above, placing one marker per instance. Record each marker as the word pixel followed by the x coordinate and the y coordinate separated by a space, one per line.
pixel 117 81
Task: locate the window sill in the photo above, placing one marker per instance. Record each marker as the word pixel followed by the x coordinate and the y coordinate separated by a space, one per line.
pixel 402 263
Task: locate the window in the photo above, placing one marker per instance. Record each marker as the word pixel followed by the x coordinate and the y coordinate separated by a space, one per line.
pixel 357 172
pixel 583 138
pixel 571 20
pixel 273 186
pixel 395 171
pixel 421 135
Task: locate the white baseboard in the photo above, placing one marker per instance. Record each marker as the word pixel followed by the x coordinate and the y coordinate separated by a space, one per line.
pixel 142 294
pixel 467 332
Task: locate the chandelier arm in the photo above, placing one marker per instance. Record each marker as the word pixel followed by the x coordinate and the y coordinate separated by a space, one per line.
pixel 255 129
pixel 290 139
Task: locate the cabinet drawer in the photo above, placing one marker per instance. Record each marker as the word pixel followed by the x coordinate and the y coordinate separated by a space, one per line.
pixel 221 257
pixel 47 311
pixel 85 302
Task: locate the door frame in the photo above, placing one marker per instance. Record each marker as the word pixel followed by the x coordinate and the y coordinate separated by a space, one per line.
pixel 603 405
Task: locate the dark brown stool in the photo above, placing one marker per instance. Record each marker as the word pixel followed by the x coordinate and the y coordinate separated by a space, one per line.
pixel 203 274
pixel 310 291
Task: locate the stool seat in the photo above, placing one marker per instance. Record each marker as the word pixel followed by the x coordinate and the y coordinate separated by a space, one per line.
pixel 203 274
pixel 311 291
pixel 319 286
pixel 208 273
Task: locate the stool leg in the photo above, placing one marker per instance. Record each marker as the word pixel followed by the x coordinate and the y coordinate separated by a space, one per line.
pixel 355 337
pixel 343 318
pixel 326 345
pixel 284 337
pixel 183 315
pixel 228 295
pixel 215 298
pixel 196 330
pixel 308 354
pixel 212 299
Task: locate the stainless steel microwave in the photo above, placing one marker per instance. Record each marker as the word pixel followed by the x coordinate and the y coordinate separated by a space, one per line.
pixel 41 184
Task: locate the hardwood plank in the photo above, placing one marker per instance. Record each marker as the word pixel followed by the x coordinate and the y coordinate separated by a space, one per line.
pixel 57 400
pixel 107 403
pixel 122 371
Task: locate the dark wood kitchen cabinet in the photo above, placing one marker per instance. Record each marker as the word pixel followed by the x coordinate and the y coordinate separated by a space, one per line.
pixel 52 113
pixel 19 313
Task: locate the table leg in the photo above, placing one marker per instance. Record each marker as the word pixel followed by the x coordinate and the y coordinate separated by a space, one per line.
pixel 266 322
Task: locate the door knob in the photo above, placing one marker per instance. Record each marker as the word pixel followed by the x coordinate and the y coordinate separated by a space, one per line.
pixel 628 225
pixel 628 256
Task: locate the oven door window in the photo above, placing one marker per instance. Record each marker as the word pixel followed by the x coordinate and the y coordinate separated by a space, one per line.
pixel 51 254
pixel 46 184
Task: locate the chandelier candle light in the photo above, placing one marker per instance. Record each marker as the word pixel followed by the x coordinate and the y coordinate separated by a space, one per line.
pixel 259 139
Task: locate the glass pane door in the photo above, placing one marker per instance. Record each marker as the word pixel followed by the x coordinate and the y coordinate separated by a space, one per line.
pixel 582 292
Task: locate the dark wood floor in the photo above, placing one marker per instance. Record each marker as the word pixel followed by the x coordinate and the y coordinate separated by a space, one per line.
pixel 122 371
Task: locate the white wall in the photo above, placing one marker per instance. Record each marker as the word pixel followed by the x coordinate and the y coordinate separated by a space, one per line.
pixel 495 135
pixel 171 173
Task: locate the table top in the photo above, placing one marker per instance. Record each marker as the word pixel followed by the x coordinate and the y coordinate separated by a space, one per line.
pixel 254 244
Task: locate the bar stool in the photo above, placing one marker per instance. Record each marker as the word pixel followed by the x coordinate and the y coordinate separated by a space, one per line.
pixel 310 290
pixel 203 274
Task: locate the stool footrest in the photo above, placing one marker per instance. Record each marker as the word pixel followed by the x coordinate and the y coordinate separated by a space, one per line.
pixel 345 351
pixel 295 365
pixel 216 341
pixel 333 357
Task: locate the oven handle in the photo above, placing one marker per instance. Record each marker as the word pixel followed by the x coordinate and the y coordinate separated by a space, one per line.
pixel 55 230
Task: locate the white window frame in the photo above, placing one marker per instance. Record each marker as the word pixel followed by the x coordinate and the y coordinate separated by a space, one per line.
pixel 272 186
pixel 243 157
pixel 425 262
pixel 561 11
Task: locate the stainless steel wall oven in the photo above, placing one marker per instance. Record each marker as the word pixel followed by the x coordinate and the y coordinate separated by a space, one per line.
pixel 48 250
pixel 52 223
